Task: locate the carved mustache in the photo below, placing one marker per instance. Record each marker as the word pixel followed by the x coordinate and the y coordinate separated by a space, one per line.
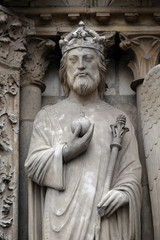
pixel 83 73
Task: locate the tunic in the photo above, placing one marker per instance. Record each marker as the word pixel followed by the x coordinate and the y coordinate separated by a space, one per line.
pixel 72 191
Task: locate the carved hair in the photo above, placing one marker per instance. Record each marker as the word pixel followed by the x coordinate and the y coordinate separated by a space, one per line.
pixel 102 71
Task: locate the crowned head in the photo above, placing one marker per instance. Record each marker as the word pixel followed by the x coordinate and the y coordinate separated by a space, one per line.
pixel 79 40
pixel 82 37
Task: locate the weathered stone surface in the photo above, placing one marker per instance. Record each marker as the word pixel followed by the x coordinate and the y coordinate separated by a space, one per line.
pixel 125 79
pixel 111 79
pixel 13 32
pixel 131 111
pixel 35 63
pixel 30 102
pixel 145 55
pixel 9 155
pixel 145 51
pixel 54 21
pixel 38 53
pixel 88 183
pixel 25 135
pixel 52 82
pixel 150 127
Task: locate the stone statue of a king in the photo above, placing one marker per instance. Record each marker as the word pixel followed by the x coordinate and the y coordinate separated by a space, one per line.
pixel 70 156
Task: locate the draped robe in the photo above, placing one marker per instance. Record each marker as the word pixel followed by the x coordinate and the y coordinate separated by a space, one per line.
pixel 67 210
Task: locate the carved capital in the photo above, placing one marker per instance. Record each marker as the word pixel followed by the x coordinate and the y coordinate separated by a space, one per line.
pixel 36 61
pixel 143 56
pixel 13 32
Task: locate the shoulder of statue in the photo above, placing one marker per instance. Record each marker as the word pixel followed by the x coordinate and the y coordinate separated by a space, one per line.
pixel 42 115
pixel 49 111
pixel 114 111
pixel 48 108
pixel 51 107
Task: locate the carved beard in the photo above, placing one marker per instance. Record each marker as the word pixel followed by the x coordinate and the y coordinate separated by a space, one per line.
pixel 84 85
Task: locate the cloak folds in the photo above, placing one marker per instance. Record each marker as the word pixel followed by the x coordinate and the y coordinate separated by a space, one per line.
pixel 64 205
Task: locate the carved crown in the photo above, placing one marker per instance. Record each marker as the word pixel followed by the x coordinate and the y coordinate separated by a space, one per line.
pixel 82 37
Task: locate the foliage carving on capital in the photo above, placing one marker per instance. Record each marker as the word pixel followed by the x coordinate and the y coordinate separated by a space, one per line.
pixel 36 61
pixel 13 33
pixel 143 55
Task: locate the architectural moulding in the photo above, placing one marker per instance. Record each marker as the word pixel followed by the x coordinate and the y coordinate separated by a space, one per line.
pixel 86 10
pixel 145 49
pixel 131 17
pixel 13 32
pixel 36 61
pixel 34 66
pixel 32 74
pixel 61 18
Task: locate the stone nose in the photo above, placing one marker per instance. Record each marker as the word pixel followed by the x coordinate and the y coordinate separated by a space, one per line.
pixel 81 64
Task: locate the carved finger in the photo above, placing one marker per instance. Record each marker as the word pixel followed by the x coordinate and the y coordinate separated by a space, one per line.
pixel 107 206
pixel 112 208
pixel 88 136
pixel 77 131
pixel 105 198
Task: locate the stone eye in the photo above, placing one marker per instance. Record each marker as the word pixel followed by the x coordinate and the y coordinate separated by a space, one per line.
pixel 73 59
pixel 89 58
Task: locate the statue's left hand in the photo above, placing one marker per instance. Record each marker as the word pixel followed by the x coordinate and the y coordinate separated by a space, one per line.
pixel 113 200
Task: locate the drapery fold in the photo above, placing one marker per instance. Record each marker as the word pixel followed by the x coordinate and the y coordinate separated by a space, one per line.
pixel 73 190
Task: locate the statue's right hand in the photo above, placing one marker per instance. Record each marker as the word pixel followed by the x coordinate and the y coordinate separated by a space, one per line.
pixel 77 145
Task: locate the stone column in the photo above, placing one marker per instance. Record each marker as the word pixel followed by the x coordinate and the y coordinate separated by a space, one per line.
pixel 13 32
pixel 144 54
pixel 34 67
